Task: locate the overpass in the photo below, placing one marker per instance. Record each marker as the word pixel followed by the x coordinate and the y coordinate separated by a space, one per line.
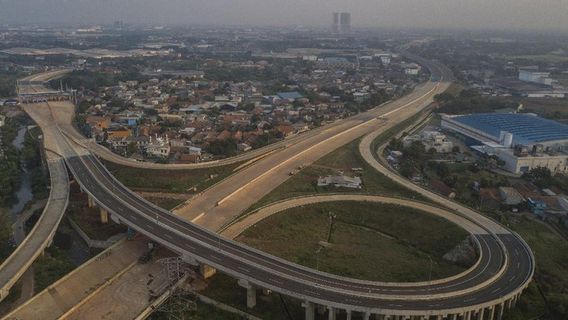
pixel 42 233
pixel 504 255
pixel 504 269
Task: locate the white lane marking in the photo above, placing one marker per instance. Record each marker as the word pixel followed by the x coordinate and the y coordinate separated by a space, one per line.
pixel 214 258
pixel 198 217
pixel 245 270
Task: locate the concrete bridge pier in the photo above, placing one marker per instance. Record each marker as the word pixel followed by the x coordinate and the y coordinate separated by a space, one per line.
pixel 480 314
pixel 206 271
pixel 348 314
pixel 310 310
pixel 491 312
pixel 331 313
pixel 251 293
pixel 366 315
pixel 501 306
pixel 91 202
pixel 4 293
pixel 104 216
pixel 514 300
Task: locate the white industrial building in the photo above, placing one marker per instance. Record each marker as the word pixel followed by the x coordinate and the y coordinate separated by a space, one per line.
pixel 431 140
pixel 521 141
pixel 340 182
pixel 534 76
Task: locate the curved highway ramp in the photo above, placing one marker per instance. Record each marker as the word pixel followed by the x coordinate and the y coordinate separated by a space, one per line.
pixel 42 234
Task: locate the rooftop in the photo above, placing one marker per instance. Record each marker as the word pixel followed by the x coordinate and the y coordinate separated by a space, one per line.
pixel 526 128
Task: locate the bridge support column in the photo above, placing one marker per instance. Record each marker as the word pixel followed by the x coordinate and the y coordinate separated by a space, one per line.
pixel 251 293
pixel 481 314
pixel 500 311
pixel 4 293
pixel 366 315
pixel 331 313
pixel 468 315
pixel 515 300
pixel 104 216
pixel 310 310
pixel 491 313
pixel 349 315
pixel 207 271
pixel 91 202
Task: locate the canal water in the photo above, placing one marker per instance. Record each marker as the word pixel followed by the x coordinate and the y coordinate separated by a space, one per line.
pixel 24 193
pixel 79 251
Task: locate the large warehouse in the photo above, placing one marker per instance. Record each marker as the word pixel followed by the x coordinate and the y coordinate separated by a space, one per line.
pixel 522 141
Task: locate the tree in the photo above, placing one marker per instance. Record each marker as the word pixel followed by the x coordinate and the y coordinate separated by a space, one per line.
pixel 395 144
pixel 5 236
pixel 540 176
pixel 227 147
pixel 415 151
pixel 131 148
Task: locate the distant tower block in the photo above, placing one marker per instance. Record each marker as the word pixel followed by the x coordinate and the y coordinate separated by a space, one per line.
pixel 335 25
pixel 345 22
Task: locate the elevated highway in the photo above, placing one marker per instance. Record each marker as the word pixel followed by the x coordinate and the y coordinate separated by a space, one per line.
pixel 503 254
pixel 504 269
pixel 44 230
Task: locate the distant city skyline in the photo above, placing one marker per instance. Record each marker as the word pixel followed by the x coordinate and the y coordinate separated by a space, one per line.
pixel 446 14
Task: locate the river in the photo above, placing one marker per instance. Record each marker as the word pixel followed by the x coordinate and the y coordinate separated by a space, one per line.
pixel 24 193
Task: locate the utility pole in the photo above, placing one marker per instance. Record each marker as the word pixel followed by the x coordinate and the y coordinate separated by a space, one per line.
pixel 332 218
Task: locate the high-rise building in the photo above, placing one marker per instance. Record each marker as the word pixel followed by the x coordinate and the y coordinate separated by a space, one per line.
pixel 335 25
pixel 345 22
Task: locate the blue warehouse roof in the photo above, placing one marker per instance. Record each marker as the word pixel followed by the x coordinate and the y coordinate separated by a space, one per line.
pixel 526 128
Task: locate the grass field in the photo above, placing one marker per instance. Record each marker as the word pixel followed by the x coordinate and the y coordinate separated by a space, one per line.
pixel 343 159
pixel 165 203
pixel 369 241
pixel 179 181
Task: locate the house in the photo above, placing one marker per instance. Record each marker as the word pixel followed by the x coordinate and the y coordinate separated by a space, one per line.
pixel 431 140
pixel 290 96
pixel 189 158
pixel 510 196
pixel 98 123
pixel 285 129
pixel 300 127
pixel 118 133
pixel 158 147
pixel 340 182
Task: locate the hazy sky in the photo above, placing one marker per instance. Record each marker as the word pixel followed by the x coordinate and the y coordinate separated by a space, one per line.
pixel 506 14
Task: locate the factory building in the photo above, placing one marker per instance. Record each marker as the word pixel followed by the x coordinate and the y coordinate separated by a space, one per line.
pixel 521 141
